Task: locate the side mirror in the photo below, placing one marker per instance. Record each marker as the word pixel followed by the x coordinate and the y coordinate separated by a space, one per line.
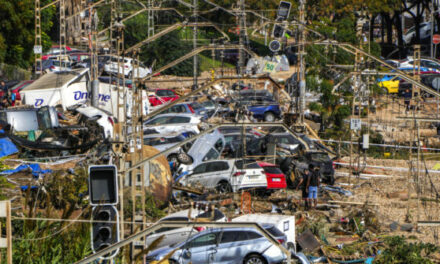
pixel 186 254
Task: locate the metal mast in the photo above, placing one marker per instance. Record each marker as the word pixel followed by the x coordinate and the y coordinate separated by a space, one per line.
pixel 38 47
pixel 150 19
pixel 301 61
pixel 195 15
pixel 62 31
pixel 242 35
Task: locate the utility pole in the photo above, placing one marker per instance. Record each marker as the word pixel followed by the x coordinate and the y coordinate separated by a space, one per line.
pixel 5 212
pixel 62 32
pixel 150 19
pixel 38 49
pixel 195 15
pixel 242 35
pixel 93 45
pixel 301 61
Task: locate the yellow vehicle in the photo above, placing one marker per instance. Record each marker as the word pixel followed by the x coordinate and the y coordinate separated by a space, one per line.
pixel 391 85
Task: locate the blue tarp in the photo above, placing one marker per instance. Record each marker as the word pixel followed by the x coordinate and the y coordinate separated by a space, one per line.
pixel 7 147
pixel 35 168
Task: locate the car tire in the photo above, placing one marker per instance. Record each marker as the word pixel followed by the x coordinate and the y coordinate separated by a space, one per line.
pixel 172 158
pixel 254 259
pixel 184 158
pixel 224 187
pixel 269 117
pixel 129 75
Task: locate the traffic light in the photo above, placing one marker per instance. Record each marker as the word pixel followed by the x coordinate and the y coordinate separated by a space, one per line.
pixel 283 10
pixel 105 229
pixel 103 193
pixel 278 31
pixel 103 185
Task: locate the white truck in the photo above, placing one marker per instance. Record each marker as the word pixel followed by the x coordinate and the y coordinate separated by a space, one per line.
pixel 285 223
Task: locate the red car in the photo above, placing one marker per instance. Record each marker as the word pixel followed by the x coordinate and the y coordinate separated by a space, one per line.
pixel 275 177
pixel 162 96
pixel 16 89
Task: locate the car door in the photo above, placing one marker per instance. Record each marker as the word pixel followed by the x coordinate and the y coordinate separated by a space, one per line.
pixel 201 249
pixel 196 175
pixel 216 172
pixel 233 247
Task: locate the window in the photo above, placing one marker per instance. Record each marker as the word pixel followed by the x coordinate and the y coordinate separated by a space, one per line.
pixel 233 236
pixel 272 170
pixel 161 92
pixel 179 120
pixel 320 157
pixel 274 231
pixel 248 164
pixel 217 166
pixel 204 240
pixel 217 215
pixel 200 169
pixel 253 235
pixel 158 121
pixel 219 145
pixel 212 154
pixel 169 93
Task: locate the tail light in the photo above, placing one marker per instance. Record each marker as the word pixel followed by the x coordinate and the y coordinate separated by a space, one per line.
pixel 199 228
pixel 52 67
pixel 239 173
pixel 333 165
pixel 281 241
pixel 126 66
pixel 111 121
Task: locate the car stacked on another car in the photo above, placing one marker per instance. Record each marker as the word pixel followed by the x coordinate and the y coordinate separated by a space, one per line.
pixel 260 103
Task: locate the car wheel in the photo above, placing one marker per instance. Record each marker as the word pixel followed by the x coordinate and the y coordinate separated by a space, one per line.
pixel 224 187
pixel 172 158
pixel 254 259
pixel 269 117
pixel 129 75
pixel 184 158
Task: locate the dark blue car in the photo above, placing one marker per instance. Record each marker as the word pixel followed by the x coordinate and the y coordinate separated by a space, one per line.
pixel 261 104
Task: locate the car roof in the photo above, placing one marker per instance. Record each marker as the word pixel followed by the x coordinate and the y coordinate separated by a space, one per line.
pixel 177 114
pixel 162 135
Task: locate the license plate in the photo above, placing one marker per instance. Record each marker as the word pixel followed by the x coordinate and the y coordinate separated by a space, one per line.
pixel 276 179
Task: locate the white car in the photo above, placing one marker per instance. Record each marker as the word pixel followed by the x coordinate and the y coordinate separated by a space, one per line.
pixel 425 32
pixel 204 148
pixel 173 123
pixel 175 234
pixel 431 65
pixel 111 67
pixel 227 175
pixel 105 120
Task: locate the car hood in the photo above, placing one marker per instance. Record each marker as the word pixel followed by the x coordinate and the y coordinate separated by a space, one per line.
pixel 162 251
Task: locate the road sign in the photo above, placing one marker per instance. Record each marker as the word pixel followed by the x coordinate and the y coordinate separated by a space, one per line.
pixel 38 49
pixel 436 39
pixel 355 124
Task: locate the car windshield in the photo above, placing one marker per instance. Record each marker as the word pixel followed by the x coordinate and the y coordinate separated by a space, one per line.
pixel 286 139
pixel 321 157
pixel 196 106
pixel 162 140
pixel 207 104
